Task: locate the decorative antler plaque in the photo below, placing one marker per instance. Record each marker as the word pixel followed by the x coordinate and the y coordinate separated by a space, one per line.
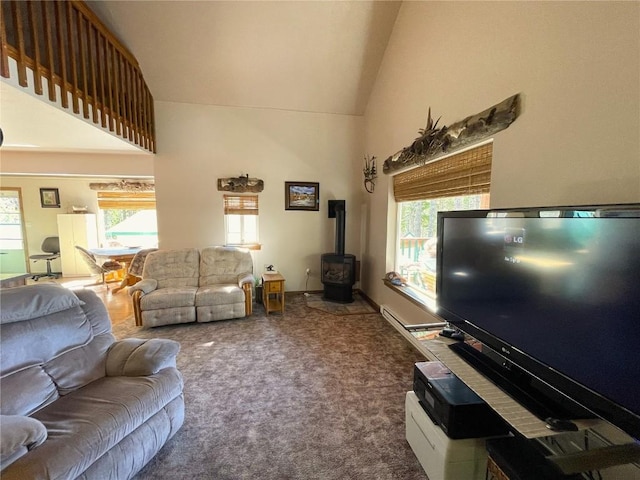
pixel 123 186
pixel 240 184
pixel 434 142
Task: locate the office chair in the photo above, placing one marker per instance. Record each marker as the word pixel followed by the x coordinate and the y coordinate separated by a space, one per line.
pixel 51 247
pixel 95 267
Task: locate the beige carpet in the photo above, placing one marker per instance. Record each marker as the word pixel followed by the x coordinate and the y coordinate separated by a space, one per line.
pixel 306 395
pixel 357 307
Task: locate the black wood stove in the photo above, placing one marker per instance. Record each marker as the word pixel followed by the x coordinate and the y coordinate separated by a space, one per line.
pixel 338 269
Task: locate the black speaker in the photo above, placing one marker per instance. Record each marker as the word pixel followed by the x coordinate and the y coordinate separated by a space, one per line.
pixel 335 206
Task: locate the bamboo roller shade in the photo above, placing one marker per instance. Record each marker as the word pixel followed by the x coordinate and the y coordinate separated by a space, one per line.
pixel 465 173
pixel 241 204
pixel 127 200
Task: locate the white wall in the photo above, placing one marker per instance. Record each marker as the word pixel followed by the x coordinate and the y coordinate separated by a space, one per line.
pixel 577 140
pixel 198 144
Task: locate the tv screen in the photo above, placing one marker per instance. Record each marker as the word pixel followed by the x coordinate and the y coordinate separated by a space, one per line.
pixel 556 292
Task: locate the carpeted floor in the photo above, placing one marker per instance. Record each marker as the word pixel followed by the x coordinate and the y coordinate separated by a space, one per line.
pixel 304 395
pixel 357 307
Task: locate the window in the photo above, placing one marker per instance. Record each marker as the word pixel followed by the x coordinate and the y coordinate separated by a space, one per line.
pixel 10 220
pixel 128 219
pixel 458 182
pixel 241 220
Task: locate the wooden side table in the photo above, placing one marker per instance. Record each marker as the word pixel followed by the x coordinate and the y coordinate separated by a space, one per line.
pixel 273 292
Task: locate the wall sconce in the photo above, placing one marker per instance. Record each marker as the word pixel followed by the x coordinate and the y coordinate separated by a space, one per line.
pixel 370 174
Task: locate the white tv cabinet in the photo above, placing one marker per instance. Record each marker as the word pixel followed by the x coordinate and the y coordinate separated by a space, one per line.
pixel 441 457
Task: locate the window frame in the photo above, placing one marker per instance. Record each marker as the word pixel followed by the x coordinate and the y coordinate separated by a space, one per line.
pixel 247 208
pixel 461 174
pixel 124 200
pixel 12 192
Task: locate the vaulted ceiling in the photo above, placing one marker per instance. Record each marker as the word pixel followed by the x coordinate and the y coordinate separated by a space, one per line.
pixel 309 56
pixel 312 56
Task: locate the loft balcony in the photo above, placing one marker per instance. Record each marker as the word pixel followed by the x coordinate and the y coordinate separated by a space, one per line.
pixel 62 50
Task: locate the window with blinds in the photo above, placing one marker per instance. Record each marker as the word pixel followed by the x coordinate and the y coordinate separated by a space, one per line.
pixel 459 182
pixel 241 205
pixel 241 220
pixel 127 200
pixel 465 173
pixel 128 219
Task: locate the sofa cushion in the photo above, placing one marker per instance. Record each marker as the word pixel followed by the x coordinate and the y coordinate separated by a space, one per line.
pixel 134 451
pixel 25 303
pixel 168 316
pixel 88 422
pixel 220 265
pixel 169 297
pixel 173 268
pixel 45 357
pixel 137 356
pixel 18 435
pixel 228 311
pixel 219 295
pixel 48 337
pixel 26 391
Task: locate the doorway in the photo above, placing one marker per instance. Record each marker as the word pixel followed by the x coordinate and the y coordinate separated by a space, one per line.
pixel 13 252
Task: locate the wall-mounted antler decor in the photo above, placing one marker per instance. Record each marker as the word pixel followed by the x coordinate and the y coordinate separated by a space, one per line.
pixel 240 184
pixel 434 142
pixel 370 173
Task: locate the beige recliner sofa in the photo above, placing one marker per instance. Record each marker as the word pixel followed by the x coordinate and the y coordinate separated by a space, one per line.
pixel 191 285
pixel 75 402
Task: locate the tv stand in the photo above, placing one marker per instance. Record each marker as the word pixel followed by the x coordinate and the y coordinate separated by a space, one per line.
pixel 521 386
pixel 607 447
pixel 520 417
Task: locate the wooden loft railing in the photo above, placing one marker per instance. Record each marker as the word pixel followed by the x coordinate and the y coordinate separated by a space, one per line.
pixel 65 43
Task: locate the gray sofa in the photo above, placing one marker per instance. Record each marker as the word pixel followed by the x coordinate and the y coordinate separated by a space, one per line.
pixel 75 402
pixel 191 285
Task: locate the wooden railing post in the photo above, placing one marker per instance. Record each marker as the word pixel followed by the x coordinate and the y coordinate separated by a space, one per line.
pixel 67 44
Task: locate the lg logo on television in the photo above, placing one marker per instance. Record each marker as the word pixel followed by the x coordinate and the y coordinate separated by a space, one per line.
pixel 514 237
pixel 510 239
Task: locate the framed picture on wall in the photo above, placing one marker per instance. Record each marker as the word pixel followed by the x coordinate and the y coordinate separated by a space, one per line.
pixel 301 196
pixel 49 198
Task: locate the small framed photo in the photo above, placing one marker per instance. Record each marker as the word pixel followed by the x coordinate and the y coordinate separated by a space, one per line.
pixel 301 196
pixel 49 198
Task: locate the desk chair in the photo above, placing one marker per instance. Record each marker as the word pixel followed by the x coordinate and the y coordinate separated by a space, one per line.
pixel 51 247
pixel 98 268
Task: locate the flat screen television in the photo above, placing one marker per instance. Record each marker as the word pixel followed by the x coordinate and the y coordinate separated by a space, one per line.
pixel 551 297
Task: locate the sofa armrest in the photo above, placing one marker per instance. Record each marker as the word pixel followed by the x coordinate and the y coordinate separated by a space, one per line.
pixel 246 282
pixel 145 286
pixel 245 278
pixel 135 357
pixel 18 435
